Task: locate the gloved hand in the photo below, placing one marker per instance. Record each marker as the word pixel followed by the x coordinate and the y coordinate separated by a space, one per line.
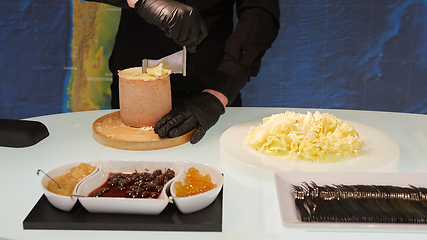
pixel 179 21
pixel 200 112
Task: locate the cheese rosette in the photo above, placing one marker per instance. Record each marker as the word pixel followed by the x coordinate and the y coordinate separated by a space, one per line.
pixel 315 137
pixel 152 73
pixel 158 71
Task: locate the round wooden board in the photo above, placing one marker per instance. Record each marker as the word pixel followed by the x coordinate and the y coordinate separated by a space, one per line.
pixel 110 131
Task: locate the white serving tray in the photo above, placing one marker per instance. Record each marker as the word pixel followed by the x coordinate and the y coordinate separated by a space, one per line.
pixel 146 206
pixel 290 216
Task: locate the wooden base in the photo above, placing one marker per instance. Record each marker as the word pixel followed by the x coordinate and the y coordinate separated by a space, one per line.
pixel 110 131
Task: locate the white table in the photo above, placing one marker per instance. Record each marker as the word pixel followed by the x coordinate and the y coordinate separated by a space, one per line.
pixel 249 212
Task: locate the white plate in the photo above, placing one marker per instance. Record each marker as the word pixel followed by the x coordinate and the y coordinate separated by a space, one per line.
pixel 289 214
pixel 379 153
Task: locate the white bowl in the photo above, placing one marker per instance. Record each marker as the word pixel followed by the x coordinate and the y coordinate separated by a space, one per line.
pixel 124 205
pixel 64 203
pixel 200 201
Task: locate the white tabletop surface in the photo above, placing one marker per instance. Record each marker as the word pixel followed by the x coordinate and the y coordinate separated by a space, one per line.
pixel 251 208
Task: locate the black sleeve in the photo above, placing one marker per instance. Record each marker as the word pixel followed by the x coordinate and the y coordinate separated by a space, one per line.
pixel 255 32
pixel 117 3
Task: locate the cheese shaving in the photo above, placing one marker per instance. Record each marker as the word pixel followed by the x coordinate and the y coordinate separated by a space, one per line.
pixel 314 137
pixel 152 73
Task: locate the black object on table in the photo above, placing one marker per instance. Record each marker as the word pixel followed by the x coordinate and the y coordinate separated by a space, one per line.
pixel 21 133
pixel 47 217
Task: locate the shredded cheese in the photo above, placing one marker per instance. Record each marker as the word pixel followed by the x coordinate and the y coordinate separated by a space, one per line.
pixel 315 137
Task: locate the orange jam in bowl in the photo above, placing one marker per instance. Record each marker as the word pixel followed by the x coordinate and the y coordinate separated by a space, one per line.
pixel 69 180
pixel 194 183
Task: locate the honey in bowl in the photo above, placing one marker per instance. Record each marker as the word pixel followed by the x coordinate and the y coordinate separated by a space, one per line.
pixel 194 183
pixel 69 180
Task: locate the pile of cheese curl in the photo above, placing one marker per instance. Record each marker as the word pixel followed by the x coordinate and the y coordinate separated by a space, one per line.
pixel 315 137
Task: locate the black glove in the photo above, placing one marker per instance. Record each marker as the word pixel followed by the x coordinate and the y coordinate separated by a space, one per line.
pixel 179 21
pixel 200 112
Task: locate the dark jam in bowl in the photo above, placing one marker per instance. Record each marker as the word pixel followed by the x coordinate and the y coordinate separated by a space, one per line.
pixel 134 185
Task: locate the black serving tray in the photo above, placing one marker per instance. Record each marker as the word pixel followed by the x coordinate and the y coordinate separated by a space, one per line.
pixel 44 216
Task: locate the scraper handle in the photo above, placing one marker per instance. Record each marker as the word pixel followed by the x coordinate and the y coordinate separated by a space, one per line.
pixel 144 65
pixel 184 61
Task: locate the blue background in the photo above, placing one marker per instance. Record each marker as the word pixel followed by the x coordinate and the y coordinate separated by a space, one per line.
pixel 360 54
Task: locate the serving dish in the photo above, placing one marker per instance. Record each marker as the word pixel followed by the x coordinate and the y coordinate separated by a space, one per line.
pixel 380 153
pixel 200 201
pixel 290 216
pixel 64 203
pixel 147 206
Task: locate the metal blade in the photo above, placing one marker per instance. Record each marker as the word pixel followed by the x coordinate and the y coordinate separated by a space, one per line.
pixel 176 62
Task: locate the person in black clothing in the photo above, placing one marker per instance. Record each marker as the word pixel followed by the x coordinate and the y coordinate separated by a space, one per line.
pixel 222 57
